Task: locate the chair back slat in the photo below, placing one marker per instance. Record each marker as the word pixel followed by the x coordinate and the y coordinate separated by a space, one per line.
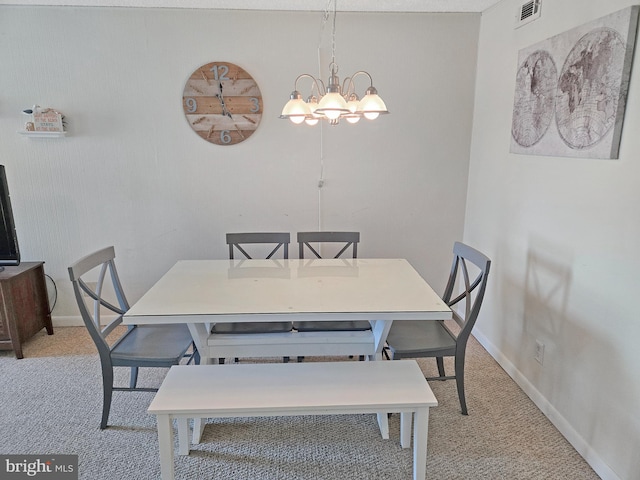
pixel 349 239
pixel 238 241
pixel 92 296
pixel 467 263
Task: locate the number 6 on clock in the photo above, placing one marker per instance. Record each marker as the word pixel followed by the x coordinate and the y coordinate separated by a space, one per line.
pixel 225 137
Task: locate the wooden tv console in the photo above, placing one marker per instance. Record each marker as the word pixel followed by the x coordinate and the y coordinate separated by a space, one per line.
pixel 24 305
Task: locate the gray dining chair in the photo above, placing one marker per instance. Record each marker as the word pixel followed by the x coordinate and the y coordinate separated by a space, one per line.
pixel 433 338
pixel 271 242
pixel 342 241
pixel 139 346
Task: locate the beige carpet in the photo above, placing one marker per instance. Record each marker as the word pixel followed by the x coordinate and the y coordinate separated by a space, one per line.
pixel 50 402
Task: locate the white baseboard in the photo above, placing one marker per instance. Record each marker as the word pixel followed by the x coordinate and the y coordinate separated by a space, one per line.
pixel 76 321
pixel 564 427
pixel 62 321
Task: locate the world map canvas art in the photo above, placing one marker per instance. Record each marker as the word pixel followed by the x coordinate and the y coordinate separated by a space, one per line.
pixel 571 90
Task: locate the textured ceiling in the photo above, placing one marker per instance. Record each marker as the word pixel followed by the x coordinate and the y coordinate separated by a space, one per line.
pixel 305 5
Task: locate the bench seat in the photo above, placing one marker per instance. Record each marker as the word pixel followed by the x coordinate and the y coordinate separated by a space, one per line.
pixel 277 389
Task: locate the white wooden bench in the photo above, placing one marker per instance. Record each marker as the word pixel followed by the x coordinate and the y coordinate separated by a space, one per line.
pixel 278 389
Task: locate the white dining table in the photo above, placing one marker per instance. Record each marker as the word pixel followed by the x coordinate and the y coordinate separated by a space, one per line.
pixel 200 293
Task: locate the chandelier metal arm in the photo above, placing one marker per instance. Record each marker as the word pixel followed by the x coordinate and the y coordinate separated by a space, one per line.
pixel 348 86
pixel 317 83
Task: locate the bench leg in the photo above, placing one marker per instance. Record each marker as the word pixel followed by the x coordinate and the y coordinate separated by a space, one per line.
pixel 383 423
pixel 420 433
pixel 183 435
pixel 198 428
pixel 165 442
pixel 405 429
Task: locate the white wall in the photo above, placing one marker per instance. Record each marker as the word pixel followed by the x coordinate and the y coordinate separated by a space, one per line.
pixel 563 234
pixel 132 173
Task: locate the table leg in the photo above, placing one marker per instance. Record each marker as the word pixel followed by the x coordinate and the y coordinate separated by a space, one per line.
pixel 200 334
pixel 165 442
pixel 380 330
pixel 420 433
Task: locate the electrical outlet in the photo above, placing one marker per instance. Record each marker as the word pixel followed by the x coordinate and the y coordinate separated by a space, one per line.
pixel 539 353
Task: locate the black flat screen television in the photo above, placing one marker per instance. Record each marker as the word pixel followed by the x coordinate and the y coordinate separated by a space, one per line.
pixel 9 252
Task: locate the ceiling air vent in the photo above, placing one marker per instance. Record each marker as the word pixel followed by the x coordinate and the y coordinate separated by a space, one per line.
pixel 527 12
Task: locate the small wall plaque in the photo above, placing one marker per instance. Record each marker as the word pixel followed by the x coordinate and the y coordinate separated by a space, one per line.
pixel 47 121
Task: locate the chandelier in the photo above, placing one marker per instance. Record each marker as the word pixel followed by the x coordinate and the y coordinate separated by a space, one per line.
pixel 334 102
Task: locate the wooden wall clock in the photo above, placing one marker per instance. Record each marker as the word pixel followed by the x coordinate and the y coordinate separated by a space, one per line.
pixel 222 103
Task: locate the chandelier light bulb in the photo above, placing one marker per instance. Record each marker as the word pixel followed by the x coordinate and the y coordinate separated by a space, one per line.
pixel 312 102
pixel 371 106
pixel 332 114
pixel 332 105
pixel 352 105
pixel 296 109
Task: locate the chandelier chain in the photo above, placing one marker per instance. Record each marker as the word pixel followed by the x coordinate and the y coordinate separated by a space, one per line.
pixel 325 17
pixel 333 35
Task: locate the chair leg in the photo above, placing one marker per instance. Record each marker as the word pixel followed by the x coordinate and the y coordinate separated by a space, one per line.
pixel 440 363
pixel 459 359
pixel 195 356
pixel 107 393
pixel 133 380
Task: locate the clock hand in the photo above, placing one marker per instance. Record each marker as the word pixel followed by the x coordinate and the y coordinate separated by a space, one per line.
pixel 239 131
pixel 225 112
